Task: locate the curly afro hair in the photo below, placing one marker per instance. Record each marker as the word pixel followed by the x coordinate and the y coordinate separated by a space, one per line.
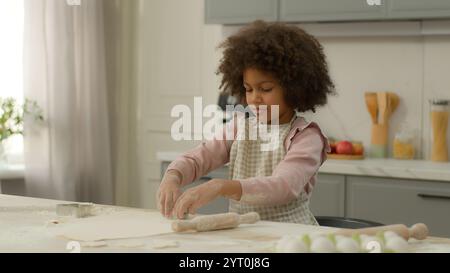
pixel 292 56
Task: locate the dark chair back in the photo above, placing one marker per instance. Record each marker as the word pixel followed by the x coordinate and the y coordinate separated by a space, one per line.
pixel 342 222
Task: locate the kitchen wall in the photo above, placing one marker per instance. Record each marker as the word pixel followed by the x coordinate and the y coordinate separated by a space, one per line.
pixel 388 56
pixel 175 60
pixel 415 67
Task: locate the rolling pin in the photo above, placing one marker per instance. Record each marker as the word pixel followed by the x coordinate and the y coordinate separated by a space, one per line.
pixel 215 222
pixel 417 231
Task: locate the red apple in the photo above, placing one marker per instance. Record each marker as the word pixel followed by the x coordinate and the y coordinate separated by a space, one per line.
pixel 344 148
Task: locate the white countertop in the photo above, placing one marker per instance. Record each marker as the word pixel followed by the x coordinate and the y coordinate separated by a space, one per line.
pixel 406 169
pixel 25 228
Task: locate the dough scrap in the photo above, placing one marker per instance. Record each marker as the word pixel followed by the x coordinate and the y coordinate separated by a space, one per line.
pixel 118 225
pixel 128 244
pixel 160 244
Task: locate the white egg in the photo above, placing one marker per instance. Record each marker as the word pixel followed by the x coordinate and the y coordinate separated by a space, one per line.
pixel 371 244
pixel 295 246
pixel 397 244
pixel 291 244
pixel 346 245
pixel 280 246
pixel 316 234
pixel 322 245
pixel 388 234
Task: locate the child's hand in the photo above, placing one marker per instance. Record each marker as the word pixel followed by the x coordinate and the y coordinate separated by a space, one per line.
pixel 168 193
pixel 194 198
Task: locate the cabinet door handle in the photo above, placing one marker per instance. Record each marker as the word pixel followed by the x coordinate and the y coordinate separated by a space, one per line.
pixel 433 196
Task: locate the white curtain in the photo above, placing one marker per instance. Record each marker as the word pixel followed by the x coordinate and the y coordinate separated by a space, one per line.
pixel 69 157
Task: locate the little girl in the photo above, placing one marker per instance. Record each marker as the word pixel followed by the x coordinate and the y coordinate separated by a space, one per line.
pixel 268 64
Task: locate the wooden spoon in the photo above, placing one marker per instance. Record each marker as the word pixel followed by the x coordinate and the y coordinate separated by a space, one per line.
pixel 383 107
pixel 372 105
pixel 394 101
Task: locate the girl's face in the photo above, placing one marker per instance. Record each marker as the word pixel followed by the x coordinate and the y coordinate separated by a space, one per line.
pixel 262 89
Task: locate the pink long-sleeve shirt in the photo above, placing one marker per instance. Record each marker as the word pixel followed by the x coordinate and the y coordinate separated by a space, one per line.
pixel 306 150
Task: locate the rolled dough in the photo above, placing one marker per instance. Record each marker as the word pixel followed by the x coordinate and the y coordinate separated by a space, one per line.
pixel 118 225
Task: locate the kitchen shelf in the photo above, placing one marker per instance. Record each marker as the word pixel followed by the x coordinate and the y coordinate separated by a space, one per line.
pixel 291 11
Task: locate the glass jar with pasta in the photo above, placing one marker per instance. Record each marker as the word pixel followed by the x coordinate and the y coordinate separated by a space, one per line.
pixel 439 126
pixel 404 147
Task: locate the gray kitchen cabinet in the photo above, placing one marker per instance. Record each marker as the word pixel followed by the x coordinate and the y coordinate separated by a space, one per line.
pixel 245 11
pixel 326 10
pixel 418 9
pixel 393 201
pixel 13 186
pixel 328 198
pixel 220 205
pixel 240 11
pixel 164 166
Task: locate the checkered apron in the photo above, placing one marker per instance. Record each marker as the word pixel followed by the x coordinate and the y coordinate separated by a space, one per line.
pixel 247 159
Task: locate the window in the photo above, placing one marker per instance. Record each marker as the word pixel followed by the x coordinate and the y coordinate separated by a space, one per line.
pixel 11 64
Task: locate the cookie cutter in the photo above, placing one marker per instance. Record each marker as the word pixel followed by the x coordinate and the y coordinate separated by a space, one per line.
pixel 78 210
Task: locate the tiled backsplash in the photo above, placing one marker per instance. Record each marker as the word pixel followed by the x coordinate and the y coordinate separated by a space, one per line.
pixel 416 68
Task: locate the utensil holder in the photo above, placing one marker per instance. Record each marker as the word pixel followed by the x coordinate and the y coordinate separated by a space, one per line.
pixel 379 143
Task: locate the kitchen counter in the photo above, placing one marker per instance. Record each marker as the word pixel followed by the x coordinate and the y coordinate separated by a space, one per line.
pixel 25 221
pixel 406 169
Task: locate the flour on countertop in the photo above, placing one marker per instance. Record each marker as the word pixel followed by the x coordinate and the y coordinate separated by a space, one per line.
pixel 160 244
pixel 93 244
pixel 116 225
